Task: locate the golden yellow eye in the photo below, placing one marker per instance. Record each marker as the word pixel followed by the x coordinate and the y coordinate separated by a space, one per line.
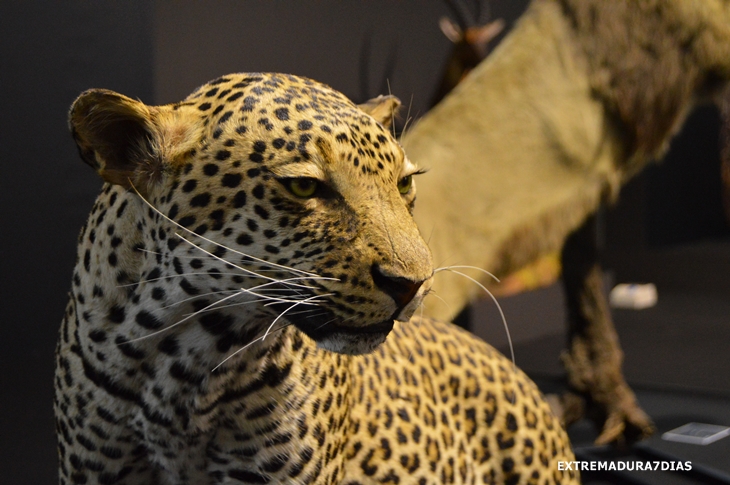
pixel 404 184
pixel 304 187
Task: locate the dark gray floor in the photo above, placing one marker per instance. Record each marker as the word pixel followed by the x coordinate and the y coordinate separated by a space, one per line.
pixel 669 409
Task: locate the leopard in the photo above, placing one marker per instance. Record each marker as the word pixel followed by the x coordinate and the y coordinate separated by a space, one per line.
pixel 244 306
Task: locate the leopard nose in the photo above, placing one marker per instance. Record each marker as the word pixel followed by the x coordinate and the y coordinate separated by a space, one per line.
pixel 401 289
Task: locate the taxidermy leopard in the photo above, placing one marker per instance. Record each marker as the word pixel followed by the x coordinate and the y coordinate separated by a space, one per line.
pixel 250 252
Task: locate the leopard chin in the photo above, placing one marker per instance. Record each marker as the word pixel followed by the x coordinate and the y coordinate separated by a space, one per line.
pixel 352 343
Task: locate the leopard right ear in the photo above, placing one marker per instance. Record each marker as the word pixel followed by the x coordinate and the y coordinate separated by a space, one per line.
pixel 118 137
pixel 383 109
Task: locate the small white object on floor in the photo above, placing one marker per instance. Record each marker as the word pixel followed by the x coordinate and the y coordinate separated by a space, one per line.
pixel 697 433
pixel 633 296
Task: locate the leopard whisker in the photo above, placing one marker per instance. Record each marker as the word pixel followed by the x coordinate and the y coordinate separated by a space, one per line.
pixel 192 256
pixel 270 299
pixel 268 263
pixel 212 306
pixel 247 271
pixel 253 276
pixel 408 117
pixel 432 292
pixel 295 287
pixel 317 308
pixel 185 318
pixel 258 288
pixel 231 305
pixel 266 333
pixel 392 113
pixel 462 266
pixel 192 273
pixel 494 299
pixel 293 306
pixel 332 320
pixel 257 339
pixel 312 302
pixel 195 297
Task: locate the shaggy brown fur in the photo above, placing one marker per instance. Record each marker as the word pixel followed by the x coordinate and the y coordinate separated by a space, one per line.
pixel 650 60
pixel 578 98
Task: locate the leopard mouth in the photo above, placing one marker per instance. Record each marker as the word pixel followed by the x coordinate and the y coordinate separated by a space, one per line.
pixel 326 323
pixel 327 329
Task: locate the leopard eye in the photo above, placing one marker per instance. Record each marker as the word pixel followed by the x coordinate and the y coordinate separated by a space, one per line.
pixel 404 184
pixel 304 187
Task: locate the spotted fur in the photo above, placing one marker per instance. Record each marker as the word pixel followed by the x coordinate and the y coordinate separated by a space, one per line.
pixel 236 280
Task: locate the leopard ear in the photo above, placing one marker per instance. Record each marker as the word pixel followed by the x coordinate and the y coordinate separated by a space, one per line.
pixel 118 137
pixel 383 109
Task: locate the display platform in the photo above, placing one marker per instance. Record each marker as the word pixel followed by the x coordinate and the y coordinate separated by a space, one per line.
pixel 710 464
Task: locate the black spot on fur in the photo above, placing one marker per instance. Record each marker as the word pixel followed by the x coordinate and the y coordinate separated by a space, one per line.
pixel 187 221
pixel 116 314
pixel 182 373
pixel 261 212
pixel 216 323
pixel 234 96
pixel 239 200
pixel 158 293
pixel 210 169
pixel 147 320
pixel 244 239
pixel 97 336
pixel 169 345
pixel 225 117
pixel 188 288
pixel 231 180
pixel 200 200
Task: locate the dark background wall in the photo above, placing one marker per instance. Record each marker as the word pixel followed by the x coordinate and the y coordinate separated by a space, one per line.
pixel 50 52
pixel 159 51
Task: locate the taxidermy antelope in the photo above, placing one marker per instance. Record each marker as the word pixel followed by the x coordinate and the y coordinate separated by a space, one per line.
pixel 471 40
pixel 471 35
pixel 578 98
